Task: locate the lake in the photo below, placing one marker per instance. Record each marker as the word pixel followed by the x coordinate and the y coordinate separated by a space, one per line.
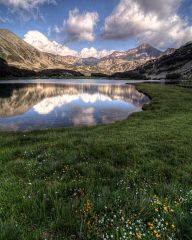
pixel 27 105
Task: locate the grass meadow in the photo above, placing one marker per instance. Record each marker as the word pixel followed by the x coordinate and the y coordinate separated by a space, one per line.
pixel 127 180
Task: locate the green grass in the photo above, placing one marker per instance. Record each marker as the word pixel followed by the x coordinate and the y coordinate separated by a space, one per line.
pixel 132 178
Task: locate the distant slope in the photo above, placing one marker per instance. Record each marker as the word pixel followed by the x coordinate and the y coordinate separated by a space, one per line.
pixel 144 61
pixel 22 55
pixel 142 52
pixel 128 60
pixel 13 71
pixel 18 58
pixel 178 64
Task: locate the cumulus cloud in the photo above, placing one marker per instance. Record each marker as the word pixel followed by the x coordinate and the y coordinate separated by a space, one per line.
pixel 79 26
pixel 92 52
pixel 42 43
pixel 152 21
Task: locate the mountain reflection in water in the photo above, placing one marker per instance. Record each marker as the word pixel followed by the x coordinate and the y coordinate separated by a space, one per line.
pixel 41 106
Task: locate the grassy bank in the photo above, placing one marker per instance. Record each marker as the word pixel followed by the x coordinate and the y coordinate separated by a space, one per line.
pixel 132 178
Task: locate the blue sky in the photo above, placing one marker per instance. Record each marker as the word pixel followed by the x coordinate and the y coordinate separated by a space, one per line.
pixel 110 24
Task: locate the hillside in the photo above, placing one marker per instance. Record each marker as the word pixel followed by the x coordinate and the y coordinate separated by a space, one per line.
pixel 17 58
pixel 20 54
pixel 177 64
pixel 144 61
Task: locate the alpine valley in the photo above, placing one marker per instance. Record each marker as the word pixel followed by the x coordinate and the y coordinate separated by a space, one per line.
pixel 18 58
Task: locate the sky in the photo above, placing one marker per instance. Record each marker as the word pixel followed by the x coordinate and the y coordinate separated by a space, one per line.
pixel 95 28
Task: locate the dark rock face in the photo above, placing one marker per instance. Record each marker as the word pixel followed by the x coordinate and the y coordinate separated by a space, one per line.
pixel 10 71
pixel 129 75
pixel 59 73
pixel 173 66
pixel 168 51
pixel 179 62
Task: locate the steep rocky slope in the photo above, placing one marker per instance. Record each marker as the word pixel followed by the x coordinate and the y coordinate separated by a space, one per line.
pixel 17 58
pixel 128 60
pixel 18 53
pixel 176 65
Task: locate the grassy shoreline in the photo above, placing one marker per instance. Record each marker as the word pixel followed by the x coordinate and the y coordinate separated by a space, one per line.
pixel 103 182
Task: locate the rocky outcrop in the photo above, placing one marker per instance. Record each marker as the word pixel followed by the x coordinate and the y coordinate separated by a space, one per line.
pixel 177 65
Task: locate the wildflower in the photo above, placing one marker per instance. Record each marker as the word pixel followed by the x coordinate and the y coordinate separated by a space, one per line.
pixel 151 226
pixel 173 226
pixel 166 209
pixel 138 235
pixel 88 222
pixel 157 235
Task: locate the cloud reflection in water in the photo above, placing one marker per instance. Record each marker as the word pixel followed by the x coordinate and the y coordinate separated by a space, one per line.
pixel 42 106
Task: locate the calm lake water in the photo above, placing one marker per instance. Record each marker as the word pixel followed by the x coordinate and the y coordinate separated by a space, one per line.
pixel 42 104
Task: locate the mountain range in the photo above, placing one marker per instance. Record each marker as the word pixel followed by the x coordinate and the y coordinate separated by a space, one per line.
pixel 145 61
pixel 176 65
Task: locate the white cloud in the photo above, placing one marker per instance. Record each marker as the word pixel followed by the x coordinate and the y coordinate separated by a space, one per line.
pixel 152 21
pixel 26 9
pixel 42 43
pixel 25 4
pixel 92 52
pixel 79 26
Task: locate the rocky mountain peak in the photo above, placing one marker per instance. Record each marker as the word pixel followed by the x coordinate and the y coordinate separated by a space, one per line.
pixel 168 51
pixel 144 46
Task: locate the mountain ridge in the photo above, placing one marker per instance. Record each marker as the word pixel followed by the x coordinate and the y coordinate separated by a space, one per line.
pixel 143 61
pixel 20 54
pixel 175 65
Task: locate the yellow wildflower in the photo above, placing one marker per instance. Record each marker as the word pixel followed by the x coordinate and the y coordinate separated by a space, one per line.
pixel 151 226
pixel 166 209
pixel 173 226
pixel 138 235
